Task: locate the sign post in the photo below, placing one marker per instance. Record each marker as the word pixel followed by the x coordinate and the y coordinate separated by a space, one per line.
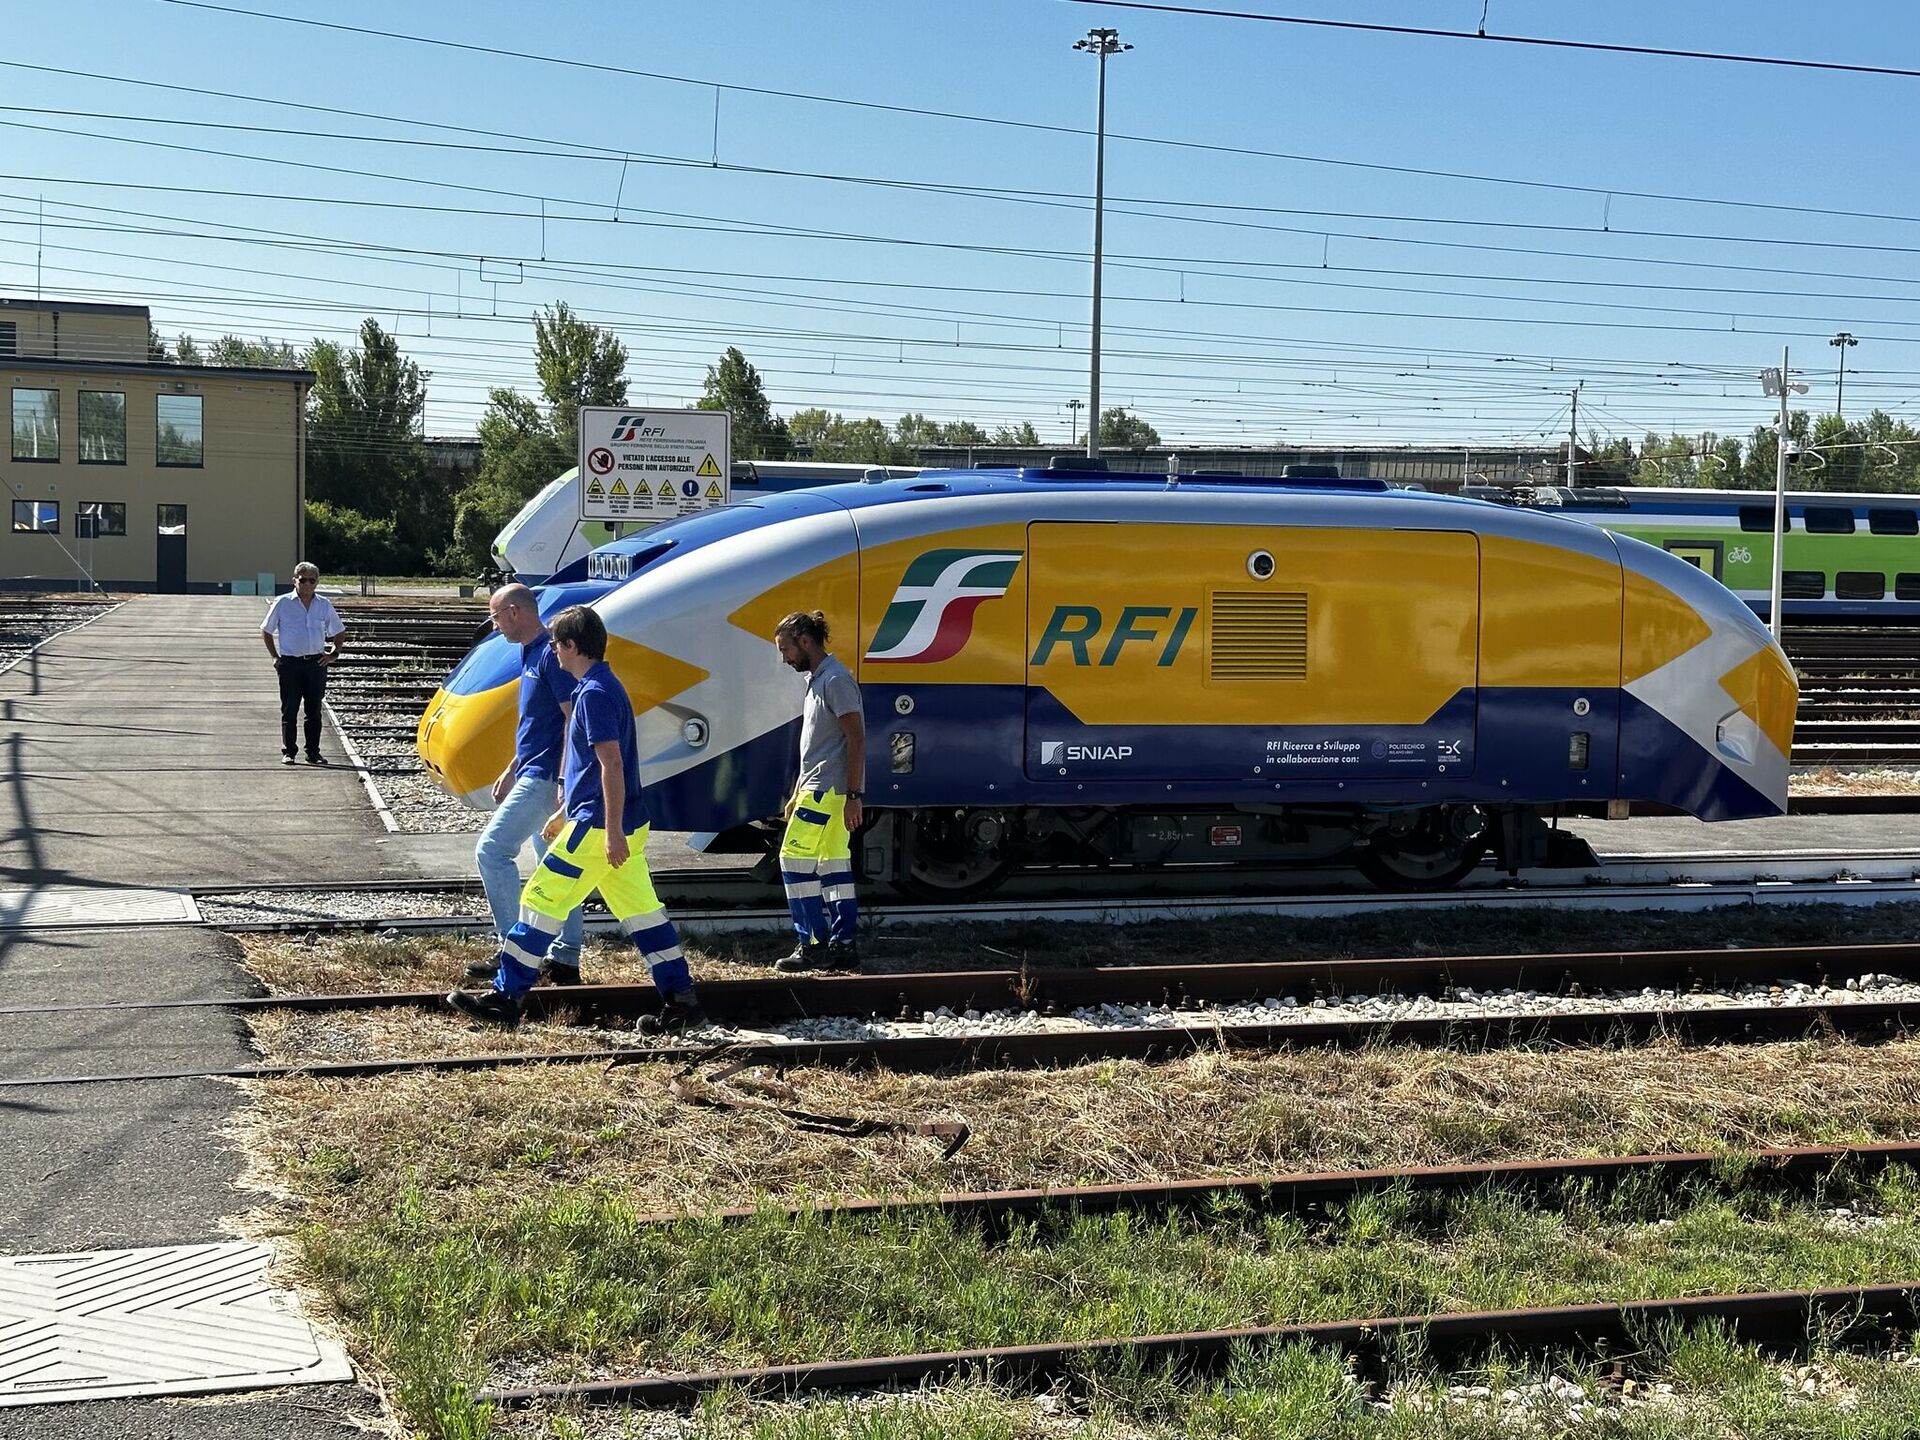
pixel 640 466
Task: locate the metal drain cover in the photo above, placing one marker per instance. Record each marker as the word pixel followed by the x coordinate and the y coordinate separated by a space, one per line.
pixel 52 906
pixel 176 1320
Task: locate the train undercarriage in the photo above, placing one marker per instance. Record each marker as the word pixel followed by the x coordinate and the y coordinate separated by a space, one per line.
pixel 952 853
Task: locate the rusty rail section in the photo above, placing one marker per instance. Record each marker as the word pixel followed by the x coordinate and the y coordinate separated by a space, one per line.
pixel 1309 1191
pixel 780 997
pixel 1775 1317
pixel 1864 1020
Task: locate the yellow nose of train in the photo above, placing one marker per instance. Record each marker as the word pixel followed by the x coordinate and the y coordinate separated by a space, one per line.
pixel 466 733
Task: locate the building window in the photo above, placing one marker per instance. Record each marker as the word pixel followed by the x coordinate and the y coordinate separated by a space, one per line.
pixel 9 338
pixel 99 517
pixel 103 427
pixel 180 438
pixel 36 517
pixel 36 425
pixel 172 519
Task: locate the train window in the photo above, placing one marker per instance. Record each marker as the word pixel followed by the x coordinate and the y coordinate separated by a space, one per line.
pixel 1906 586
pixel 1860 585
pixel 1759 517
pixel 1828 520
pixel 1894 522
pixel 1803 584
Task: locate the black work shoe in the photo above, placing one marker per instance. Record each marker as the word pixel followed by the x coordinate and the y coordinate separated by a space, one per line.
pixel 677 1015
pixel 482 969
pixel 805 956
pixel 842 956
pixel 318 759
pixel 564 975
pixel 491 1007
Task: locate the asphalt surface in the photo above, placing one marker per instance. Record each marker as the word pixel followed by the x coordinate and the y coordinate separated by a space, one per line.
pixel 144 750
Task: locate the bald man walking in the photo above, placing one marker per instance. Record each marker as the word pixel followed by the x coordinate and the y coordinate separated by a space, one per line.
pixel 528 790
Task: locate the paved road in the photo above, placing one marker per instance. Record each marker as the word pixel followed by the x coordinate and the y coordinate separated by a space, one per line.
pixel 144 750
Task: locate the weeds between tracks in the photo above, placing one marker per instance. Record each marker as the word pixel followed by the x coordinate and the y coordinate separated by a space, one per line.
pixel 480 1196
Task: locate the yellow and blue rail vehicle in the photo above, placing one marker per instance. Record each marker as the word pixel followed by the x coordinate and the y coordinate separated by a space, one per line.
pixel 1063 668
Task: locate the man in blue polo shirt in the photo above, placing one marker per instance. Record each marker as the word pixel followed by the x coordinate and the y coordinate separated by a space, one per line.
pixel 528 790
pixel 599 842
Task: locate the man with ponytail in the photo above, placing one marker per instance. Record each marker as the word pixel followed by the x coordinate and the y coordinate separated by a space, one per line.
pixel 816 855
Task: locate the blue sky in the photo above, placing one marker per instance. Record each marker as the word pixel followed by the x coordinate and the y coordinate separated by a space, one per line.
pixel 1250 298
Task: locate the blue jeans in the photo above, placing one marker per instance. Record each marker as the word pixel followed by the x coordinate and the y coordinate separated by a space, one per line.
pixel 518 820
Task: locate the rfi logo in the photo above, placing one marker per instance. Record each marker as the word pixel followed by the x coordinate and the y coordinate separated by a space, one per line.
pixel 931 614
pixel 631 427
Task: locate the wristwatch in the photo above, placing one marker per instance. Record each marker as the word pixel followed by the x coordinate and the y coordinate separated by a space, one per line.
pixel 855 794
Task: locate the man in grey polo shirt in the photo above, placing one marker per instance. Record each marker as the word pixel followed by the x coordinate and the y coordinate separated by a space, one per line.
pixel 816 854
pixel 303 634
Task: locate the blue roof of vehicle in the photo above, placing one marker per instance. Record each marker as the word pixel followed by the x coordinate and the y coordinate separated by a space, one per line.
pixel 704 528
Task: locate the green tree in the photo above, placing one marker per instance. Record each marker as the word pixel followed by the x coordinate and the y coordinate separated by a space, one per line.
pixel 261 354
pixel 186 351
pixel 365 460
pixel 866 442
pixel 157 352
pixel 578 364
pixel 734 386
pixel 962 432
pixel 1120 429
pixel 833 437
pixel 912 431
pixel 1021 434
pixel 519 455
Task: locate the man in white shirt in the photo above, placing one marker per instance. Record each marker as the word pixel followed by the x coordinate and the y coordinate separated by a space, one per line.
pixel 308 633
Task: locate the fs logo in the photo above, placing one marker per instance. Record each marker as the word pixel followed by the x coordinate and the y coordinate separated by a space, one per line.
pixel 931 614
pixel 631 427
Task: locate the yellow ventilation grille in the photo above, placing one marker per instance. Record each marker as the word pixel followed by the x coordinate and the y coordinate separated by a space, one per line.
pixel 1257 635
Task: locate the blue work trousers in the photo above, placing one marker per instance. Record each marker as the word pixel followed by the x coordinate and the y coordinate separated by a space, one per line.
pixel 518 820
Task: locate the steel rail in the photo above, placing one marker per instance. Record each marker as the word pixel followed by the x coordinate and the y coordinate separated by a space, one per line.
pixel 800 997
pixel 1863 1020
pixel 1308 1191
pixel 1782 1316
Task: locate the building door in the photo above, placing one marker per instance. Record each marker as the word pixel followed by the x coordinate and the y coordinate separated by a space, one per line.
pixel 170 552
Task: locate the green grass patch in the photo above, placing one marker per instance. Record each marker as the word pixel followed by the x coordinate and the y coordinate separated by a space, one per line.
pixel 562 1284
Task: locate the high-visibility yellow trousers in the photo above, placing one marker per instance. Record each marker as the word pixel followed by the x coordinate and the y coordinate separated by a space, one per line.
pixel 816 866
pixel 571 870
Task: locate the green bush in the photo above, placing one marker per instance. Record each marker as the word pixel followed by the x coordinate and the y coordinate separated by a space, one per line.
pixel 345 542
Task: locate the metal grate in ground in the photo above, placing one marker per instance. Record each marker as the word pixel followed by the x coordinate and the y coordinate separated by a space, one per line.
pixel 61 906
pixel 176 1320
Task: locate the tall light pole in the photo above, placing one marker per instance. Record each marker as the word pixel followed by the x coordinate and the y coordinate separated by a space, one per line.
pixel 1101 43
pixel 1779 382
pixel 1843 342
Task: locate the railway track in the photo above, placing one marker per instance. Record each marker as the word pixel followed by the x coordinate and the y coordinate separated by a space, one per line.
pixel 1779 1318
pixel 1782 1319
pixel 740 899
pixel 1071 1015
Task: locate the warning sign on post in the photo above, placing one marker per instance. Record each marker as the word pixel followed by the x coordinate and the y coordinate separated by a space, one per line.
pixel 642 466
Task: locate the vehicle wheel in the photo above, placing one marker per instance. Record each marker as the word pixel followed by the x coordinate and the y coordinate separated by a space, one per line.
pixel 1436 852
pixel 950 855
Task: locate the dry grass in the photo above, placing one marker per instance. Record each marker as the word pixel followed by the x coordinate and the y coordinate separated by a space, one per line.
pixel 1831 780
pixel 453 1141
pixel 338 964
